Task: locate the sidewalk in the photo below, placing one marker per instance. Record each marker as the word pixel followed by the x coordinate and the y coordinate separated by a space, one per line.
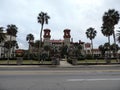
pixel 65 64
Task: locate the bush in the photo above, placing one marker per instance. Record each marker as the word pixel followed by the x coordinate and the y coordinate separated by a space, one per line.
pixel 69 60
pixel 89 56
pixel 48 59
pixel 81 57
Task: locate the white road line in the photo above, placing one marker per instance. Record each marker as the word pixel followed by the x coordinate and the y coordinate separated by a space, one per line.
pixel 100 79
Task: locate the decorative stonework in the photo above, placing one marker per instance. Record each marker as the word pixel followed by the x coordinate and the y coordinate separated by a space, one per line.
pixel 47 36
pixel 46 33
pixel 67 33
pixel 67 37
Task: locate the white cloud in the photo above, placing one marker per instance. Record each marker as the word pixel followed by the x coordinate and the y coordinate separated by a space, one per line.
pixel 78 15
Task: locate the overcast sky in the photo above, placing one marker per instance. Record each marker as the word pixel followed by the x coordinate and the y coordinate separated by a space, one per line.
pixel 77 15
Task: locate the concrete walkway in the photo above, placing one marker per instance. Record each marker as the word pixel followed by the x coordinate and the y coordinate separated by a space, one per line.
pixel 65 64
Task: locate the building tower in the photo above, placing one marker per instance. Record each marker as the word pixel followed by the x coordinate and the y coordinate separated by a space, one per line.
pixel 67 37
pixel 87 48
pixel 47 37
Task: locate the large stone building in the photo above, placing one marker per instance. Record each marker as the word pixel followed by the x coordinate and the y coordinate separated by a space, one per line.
pixel 86 47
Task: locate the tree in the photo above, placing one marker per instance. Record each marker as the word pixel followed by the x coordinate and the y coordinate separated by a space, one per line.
pixel 2 35
pixel 110 19
pixel 42 19
pixel 107 31
pixel 30 39
pixel 47 48
pixel 91 33
pixel 14 45
pixel 11 31
pixel 101 48
pixel 64 50
pixel 2 38
pixel 36 44
pixel 78 49
pixel 107 52
pixel 114 48
pixel 45 54
pixel 7 46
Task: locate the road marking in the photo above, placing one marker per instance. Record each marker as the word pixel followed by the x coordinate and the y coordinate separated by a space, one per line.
pixel 100 79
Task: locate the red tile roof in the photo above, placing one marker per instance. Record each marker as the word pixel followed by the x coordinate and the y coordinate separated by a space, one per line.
pixel 57 41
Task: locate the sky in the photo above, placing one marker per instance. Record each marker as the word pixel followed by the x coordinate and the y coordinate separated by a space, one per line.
pixel 76 15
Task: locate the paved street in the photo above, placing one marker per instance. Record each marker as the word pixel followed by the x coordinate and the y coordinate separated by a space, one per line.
pixel 84 78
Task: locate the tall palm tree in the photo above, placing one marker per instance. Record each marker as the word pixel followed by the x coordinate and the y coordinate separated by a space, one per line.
pixel 91 33
pixel 11 31
pixel 110 19
pixel 42 19
pixel 30 39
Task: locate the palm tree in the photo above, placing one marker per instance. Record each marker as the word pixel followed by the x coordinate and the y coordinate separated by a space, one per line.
pixel 91 33
pixel 107 31
pixel 30 39
pixel 110 19
pixel 11 31
pixel 42 19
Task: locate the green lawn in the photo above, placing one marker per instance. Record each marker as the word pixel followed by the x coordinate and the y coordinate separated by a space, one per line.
pixel 24 62
pixel 49 62
pixel 95 61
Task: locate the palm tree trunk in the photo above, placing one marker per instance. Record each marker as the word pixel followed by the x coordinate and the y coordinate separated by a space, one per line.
pixel 40 44
pixel 13 51
pixel 29 51
pixel 109 51
pixel 115 44
pixel 92 48
pixel 9 50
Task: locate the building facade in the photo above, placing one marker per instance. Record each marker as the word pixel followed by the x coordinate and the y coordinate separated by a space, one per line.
pixel 66 41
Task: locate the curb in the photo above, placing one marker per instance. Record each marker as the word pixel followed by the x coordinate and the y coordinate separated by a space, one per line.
pixel 57 66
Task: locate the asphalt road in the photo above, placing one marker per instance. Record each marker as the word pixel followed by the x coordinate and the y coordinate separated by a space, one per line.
pixel 60 79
